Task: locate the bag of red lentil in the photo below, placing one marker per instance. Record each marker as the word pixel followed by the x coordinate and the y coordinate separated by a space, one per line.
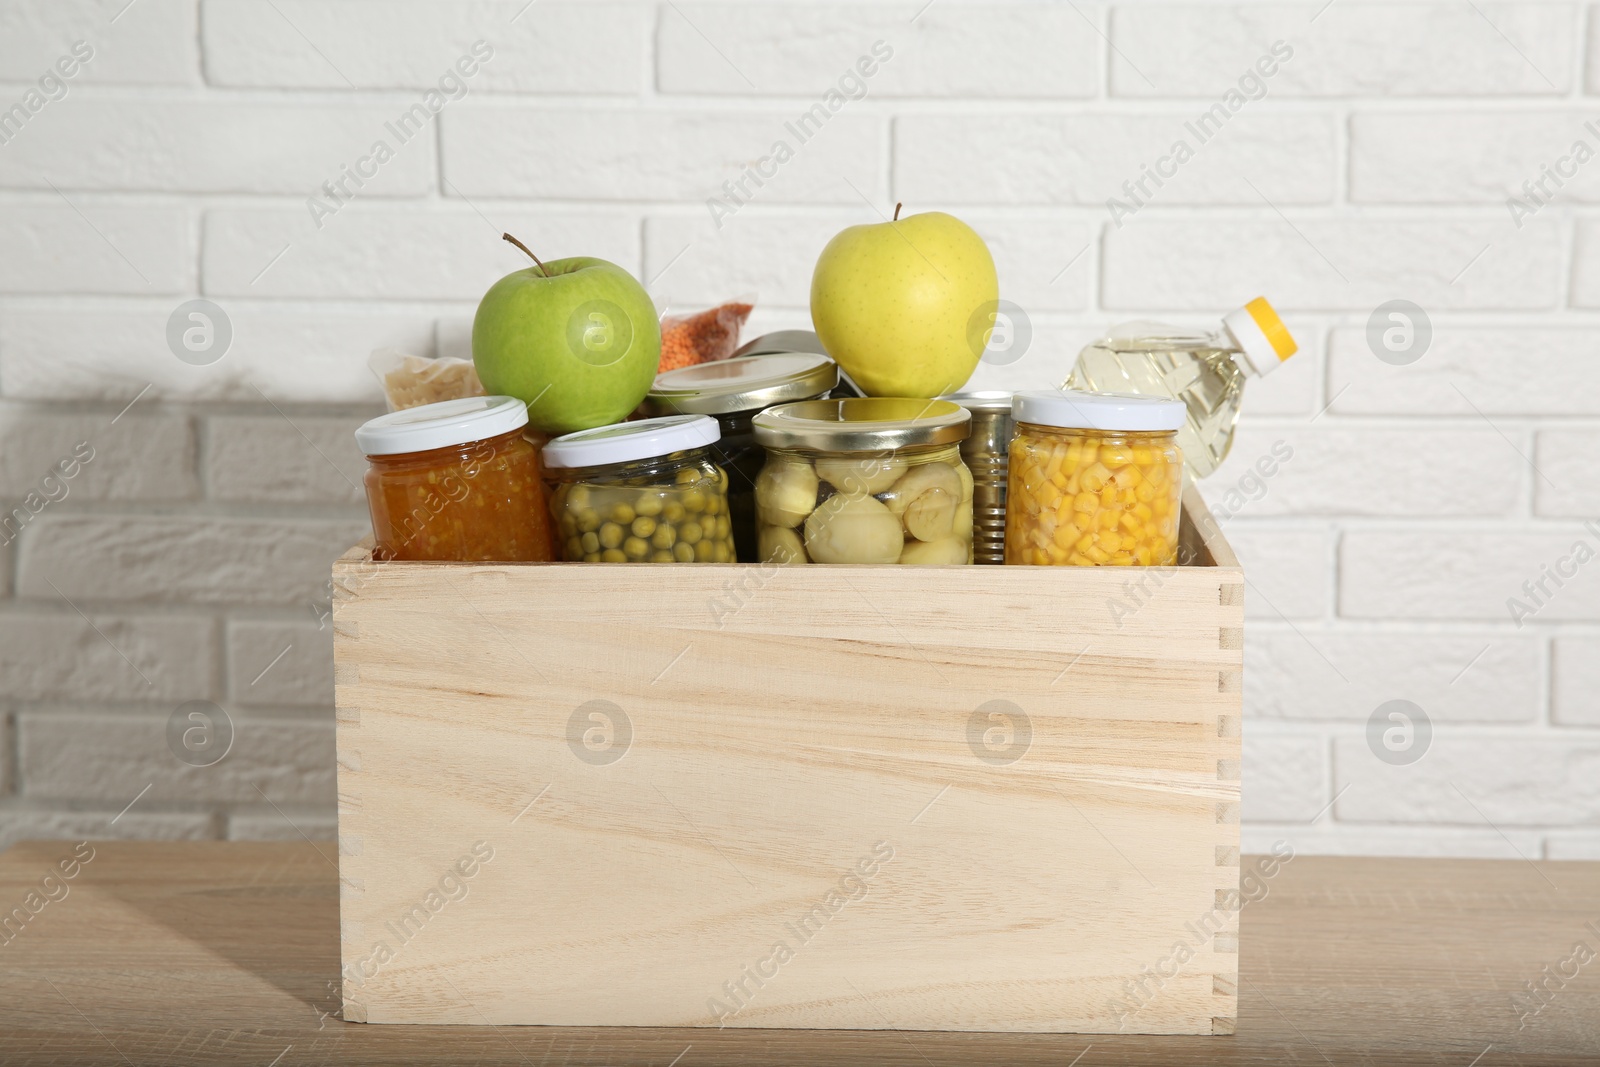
pixel 702 336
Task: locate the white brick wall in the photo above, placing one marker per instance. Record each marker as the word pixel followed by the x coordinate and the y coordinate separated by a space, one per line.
pixel 187 559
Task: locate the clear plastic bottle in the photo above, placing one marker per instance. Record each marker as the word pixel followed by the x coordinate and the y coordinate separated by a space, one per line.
pixel 1205 371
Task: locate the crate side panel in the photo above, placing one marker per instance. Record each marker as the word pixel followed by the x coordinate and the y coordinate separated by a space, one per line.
pixel 854 797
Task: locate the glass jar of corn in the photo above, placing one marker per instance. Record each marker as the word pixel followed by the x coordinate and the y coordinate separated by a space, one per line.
pixel 1095 480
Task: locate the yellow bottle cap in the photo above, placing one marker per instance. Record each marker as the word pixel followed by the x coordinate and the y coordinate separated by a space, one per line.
pixel 1260 334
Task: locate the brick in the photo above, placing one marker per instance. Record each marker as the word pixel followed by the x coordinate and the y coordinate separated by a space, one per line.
pixel 1331 839
pixel 692 260
pixel 1586 265
pixel 280 663
pixel 1151 264
pixel 148 44
pixel 1318 674
pixel 377 252
pixel 248 43
pixel 1420 574
pixel 182 560
pixel 112 757
pixel 1575 681
pixel 1286 570
pixel 140 456
pixel 1084 159
pixel 47 824
pixel 1285 777
pixel 1484 780
pixel 1471 158
pixel 1573 845
pixel 1464 372
pixel 1565 485
pixel 1325 470
pixel 1352 49
pixel 187 145
pixel 565 153
pixel 289 355
pixel 61 657
pixel 53 249
pixel 1291 388
pixel 803 50
pixel 270 825
pixel 290 459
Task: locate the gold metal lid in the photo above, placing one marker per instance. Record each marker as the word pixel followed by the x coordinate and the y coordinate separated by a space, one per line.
pixel 742 383
pixel 986 401
pixel 862 424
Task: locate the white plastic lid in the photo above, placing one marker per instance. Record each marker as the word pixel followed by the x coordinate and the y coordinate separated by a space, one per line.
pixel 625 441
pixel 1098 411
pixel 449 422
pixel 1260 335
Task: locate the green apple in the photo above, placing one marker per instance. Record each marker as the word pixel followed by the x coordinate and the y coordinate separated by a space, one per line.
pixel 906 307
pixel 577 340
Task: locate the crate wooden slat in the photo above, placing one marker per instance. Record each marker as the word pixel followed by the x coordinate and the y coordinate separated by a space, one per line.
pixel 778 739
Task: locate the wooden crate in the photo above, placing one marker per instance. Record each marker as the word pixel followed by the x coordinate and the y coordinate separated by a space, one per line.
pixel 962 798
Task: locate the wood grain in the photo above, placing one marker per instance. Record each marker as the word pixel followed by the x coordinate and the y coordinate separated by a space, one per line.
pixel 210 953
pixel 966 798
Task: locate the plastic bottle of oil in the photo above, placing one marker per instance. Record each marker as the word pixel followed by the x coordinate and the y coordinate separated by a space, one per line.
pixel 1205 371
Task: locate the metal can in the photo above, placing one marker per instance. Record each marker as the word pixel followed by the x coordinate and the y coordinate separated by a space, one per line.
pixel 985 452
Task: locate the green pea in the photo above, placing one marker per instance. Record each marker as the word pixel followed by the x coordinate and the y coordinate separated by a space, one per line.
pixel 622 513
pixel 610 535
pixel 690 532
pixel 683 553
pixel 694 500
pixel 636 547
pixel 591 542
pixel 588 519
pixel 722 526
pixel 673 511
pixel 578 496
pixel 574 547
pixel 569 525
pixel 613 555
pixel 644 526
pixel 591 557
pixel 687 475
pixel 703 551
pixel 648 504
pixel 661 556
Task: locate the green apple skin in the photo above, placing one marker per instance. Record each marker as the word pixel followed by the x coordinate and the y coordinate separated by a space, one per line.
pixel 578 342
pixel 894 303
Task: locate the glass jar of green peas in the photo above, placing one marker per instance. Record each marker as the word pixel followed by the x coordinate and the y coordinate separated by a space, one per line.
pixel 640 492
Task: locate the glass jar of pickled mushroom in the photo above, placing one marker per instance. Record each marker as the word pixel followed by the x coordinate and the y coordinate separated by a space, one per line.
pixel 455 480
pixel 864 480
pixel 640 492
pixel 1095 480
pixel 733 391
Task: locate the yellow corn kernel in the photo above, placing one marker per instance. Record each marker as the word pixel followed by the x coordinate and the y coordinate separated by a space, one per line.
pixel 1115 456
pixel 1127 477
pixel 1057 554
pixel 1127 498
pixel 1144 492
pixel 1108 497
pixel 1065 535
pixel 1098 554
pixel 1095 477
pixel 1107 520
pixel 1085 502
pixel 1144 456
pixel 1039 558
pixel 1142 512
pixel 1143 555
pixel 1129 522
pixel 1109 541
pixel 1084 542
pixel 1078 559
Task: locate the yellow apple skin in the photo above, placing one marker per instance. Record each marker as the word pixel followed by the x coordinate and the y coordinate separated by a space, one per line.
pixel 894 303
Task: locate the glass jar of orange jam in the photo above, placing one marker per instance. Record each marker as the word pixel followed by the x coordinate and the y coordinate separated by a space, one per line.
pixel 1095 480
pixel 456 481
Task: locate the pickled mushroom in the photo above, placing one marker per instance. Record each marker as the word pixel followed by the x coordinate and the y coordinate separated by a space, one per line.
pixel 786 493
pixel 859 475
pixel 777 544
pixel 927 500
pixel 945 551
pixel 853 529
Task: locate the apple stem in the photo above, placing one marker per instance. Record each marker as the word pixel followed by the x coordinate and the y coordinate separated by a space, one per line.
pixel 897 213
pixel 529 251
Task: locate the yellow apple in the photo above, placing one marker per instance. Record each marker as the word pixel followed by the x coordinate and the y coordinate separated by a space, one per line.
pixel 906 307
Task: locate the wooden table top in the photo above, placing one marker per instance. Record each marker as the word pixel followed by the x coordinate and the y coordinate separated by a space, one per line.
pixel 220 953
